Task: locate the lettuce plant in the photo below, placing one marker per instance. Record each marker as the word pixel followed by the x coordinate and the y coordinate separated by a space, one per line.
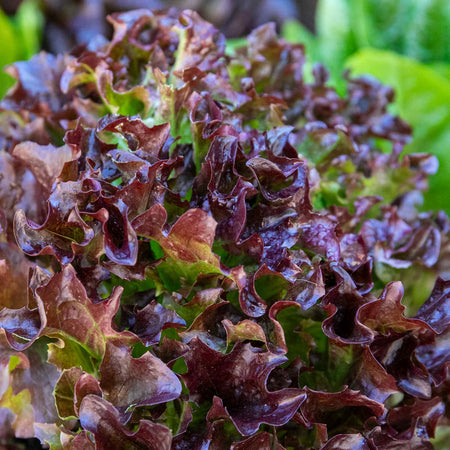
pixel 201 250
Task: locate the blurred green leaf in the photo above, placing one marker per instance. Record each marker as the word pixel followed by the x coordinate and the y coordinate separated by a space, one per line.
pixel 360 22
pixel 442 68
pixel 9 50
pixel 417 28
pixel 20 37
pixel 29 21
pixel 293 31
pixel 333 42
pixel 428 35
pixel 233 44
pixel 333 25
pixel 442 438
pixel 386 22
pixel 423 99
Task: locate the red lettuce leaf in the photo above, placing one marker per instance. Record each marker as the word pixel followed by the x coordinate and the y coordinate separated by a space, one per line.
pixel 239 380
pixel 128 382
pixel 101 419
pixel 436 310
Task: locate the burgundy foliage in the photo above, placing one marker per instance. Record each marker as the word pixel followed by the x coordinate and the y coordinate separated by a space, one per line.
pixel 199 249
